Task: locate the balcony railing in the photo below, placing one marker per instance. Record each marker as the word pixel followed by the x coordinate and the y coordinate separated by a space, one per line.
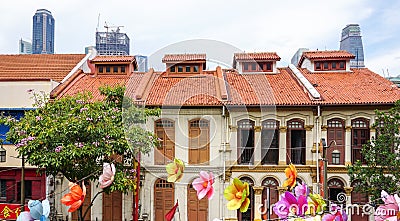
pixel 298 155
pixel 270 156
pixel 246 155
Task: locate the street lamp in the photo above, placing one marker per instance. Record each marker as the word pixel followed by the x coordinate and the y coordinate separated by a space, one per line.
pixel 325 165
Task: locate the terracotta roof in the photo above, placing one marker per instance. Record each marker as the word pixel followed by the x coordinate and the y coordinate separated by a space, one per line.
pixel 257 56
pixel 104 58
pixel 265 89
pixel 327 54
pixel 90 83
pixel 192 91
pixel 183 57
pixel 361 86
pixel 37 66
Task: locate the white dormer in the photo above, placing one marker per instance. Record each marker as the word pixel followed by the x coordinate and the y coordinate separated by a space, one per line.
pixel 326 61
pixel 256 63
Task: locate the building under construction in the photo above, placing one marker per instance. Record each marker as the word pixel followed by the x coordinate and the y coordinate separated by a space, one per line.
pixel 112 42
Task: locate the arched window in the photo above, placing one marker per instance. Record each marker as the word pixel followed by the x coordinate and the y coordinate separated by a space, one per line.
pixel 270 142
pixel 165 131
pixel 164 198
pixel 249 214
pixel 296 142
pixel 245 141
pixel 199 141
pixel 359 137
pixel 336 187
pixel 270 196
pixel 336 132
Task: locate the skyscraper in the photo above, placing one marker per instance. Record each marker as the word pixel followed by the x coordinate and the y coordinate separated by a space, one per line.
pixel 43 32
pixel 25 47
pixel 112 42
pixel 351 42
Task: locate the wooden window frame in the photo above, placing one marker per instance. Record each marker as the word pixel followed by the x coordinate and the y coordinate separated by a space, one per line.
pixel 167 128
pixel 261 66
pixel 246 149
pixel 266 126
pixel 357 128
pixel 298 125
pixel 201 126
pixel 326 65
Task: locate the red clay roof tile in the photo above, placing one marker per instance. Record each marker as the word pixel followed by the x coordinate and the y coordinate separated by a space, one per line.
pixel 327 54
pixel 183 57
pixel 104 58
pixel 270 56
pixel 361 86
pixel 37 66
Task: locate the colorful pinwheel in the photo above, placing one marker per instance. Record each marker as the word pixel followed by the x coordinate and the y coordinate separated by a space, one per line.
pixel 107 177
pixel 75 197
pixel 203 185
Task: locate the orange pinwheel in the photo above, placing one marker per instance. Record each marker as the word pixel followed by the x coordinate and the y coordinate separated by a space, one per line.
pixel 291 175
pixel 75 197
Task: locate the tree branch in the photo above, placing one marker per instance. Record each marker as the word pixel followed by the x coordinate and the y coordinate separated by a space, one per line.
pixel 91 204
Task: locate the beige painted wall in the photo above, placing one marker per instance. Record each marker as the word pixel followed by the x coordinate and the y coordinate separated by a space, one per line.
pixel 16 95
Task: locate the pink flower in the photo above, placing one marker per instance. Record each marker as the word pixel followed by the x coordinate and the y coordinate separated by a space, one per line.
pixel 107 177
pixel 390 209
pixel 203 185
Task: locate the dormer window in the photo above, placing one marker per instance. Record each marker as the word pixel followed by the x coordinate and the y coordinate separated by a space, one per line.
pixel 105 64
pixel 257 66
pixel 184 65
pixel 329 65
pixel 258 62
pixel 326 61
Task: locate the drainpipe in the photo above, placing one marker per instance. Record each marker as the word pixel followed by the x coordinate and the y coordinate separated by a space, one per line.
pixel 317 144
pixel 224 139
pixel 23 184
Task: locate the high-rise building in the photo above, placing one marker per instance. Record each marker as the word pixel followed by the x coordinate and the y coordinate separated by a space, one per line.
pixel 351 42
pixel 43 32
pixel 25 47
pixel 142 63
pixel 112 42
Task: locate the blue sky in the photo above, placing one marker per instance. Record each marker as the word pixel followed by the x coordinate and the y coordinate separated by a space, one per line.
pixel 281 26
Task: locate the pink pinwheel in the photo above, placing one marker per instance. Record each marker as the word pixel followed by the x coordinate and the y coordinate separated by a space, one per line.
pixel 203 185
pixel 301 190
pixel 290 206
pixel 107 177
pixel 390 210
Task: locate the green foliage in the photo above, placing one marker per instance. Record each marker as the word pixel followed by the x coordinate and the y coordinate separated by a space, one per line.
pixel 382 155
pixel 75 135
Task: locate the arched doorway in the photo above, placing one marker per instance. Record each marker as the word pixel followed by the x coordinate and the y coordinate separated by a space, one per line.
pixel 249 214
pixel 336 188
pixel 359 199
pixel 112 206
pixel 197 209
pixel 270 196
pixel 164 198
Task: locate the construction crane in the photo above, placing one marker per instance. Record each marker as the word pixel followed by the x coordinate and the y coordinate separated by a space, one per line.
pixel 114 26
